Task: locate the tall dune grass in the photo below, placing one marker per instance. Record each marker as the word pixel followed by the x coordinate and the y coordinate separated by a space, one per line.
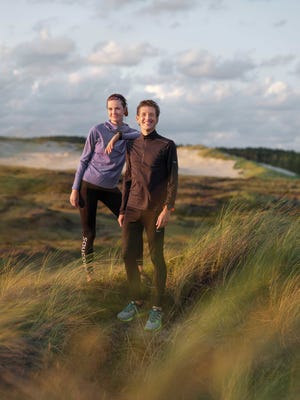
pixel 239 235
pixel 231 324
pixel 238 335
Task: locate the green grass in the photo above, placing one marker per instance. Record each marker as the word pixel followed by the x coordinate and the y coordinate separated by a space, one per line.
pixel 231 315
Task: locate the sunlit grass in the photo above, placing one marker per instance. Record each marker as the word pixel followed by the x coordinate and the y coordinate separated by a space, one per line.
pixel 231 322
pixel 238 337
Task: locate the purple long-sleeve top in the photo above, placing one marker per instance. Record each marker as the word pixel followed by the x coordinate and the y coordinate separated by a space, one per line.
pixel 97 167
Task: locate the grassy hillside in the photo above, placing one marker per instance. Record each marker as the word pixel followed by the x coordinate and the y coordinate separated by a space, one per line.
pixel 36 214
pixel 45 139
pixel 286 159
pixel 232 302
pixel 255 163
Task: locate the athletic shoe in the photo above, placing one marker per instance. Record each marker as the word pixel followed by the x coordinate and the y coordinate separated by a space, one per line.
pixel 129 312
pixel 154 322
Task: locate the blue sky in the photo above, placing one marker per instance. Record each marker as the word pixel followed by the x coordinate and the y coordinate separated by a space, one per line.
pixel 224 72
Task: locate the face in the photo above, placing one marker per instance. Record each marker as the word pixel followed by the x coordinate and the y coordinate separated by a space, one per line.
pixel 115 111
pixel 147 119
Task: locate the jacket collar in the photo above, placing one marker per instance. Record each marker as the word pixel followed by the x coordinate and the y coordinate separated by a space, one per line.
pixel 113 127
pixel 151 135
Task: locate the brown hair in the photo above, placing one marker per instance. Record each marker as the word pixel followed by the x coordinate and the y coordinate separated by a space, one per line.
pixel 117 96
pixel 149 103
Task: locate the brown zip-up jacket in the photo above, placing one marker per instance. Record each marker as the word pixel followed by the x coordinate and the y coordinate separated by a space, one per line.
pixel 151 176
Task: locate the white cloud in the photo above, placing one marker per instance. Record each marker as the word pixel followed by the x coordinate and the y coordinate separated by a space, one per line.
pixel 158 6
pixel 161 92
pixel 238 116
pixel 126 55
pixel 278 60
pixel 67 2
pixel 297 70
pixel 35 86
pixel 208 74
pixel 202 64
pixel 44 54
pixel 74 78
pixel 276 88
pixel 44 34
pixel 277 92
pixel 153 6
pixel 87 74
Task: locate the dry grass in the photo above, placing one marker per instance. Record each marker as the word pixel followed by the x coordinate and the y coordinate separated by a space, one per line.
pixel 233 334
pixel 239 331
pixel 231 322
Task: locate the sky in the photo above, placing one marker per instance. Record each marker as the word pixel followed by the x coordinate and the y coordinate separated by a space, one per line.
pixel 224 72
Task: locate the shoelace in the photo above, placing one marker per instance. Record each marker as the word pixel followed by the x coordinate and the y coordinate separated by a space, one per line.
pixel 130 306
pixel 154 315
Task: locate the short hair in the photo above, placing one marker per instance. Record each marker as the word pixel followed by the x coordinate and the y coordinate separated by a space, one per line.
pixel 117 96
pixel 149 103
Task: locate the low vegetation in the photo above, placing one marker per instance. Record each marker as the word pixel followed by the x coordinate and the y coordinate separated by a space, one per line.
pixel 231 320
pixel 286 159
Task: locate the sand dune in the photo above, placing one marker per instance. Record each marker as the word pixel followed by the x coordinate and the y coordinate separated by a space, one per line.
pixel 65 156
pixel 191 163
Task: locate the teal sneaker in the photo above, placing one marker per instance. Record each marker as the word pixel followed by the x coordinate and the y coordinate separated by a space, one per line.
pixel 154 322
pixel 129 312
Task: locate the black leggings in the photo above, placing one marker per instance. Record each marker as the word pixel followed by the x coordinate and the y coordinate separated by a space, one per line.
pixel 135 222
pixel 88 200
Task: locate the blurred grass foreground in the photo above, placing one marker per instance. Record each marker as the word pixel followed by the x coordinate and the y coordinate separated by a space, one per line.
pixel 231 321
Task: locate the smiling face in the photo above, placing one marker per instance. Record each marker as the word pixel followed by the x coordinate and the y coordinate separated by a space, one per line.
pixel 116 111
pixel 147 119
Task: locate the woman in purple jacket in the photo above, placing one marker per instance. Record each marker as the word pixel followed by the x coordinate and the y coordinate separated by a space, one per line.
pixel 98 174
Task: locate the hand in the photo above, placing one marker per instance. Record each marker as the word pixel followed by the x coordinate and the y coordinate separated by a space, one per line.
pixel 74 198
pixel 111 143
pixel 121 219
pixel 163 218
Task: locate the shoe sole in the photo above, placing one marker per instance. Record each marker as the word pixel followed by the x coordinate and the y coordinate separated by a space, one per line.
pixel 153 330
pixel 139 315
pixel 125 320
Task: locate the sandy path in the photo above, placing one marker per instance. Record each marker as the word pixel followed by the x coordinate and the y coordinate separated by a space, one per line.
pixel 65 156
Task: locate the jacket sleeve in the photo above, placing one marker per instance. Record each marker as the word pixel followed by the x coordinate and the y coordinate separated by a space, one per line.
pixel 172 184
pixel 86 155
pixel 126 182
pixel 129 133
